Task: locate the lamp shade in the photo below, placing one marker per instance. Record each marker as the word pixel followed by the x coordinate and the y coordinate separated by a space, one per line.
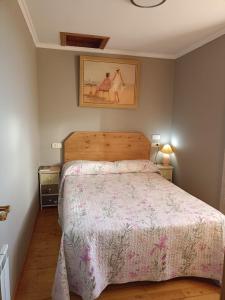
pixel 166 149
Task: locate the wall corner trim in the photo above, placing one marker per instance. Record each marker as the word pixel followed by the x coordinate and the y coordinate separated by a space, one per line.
pixel 28 19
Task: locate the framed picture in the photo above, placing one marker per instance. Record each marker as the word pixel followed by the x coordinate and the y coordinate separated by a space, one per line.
pixel 109 82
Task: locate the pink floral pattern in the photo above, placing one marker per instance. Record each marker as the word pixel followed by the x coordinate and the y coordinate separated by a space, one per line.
pixel 132 226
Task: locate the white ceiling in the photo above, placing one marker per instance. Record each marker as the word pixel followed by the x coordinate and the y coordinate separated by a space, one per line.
pixel 170 30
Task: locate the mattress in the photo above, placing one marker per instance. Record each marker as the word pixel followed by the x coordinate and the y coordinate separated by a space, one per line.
pixel 133 226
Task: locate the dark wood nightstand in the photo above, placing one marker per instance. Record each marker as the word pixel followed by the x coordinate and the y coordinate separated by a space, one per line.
pixel 49 177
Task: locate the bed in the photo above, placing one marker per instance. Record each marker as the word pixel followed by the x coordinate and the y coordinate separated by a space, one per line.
pixel 122 222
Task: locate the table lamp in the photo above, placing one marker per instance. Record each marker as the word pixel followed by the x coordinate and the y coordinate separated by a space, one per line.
pixel 166 150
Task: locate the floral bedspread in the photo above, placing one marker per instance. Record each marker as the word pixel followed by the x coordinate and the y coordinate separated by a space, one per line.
pixel 127 227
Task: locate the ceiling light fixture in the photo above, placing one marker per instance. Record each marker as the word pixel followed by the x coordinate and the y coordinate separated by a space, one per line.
pixel 147 3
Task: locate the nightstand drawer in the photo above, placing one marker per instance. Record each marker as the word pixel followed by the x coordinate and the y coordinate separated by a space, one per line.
pixel 49 200
pixel 49 179
pixel 49 189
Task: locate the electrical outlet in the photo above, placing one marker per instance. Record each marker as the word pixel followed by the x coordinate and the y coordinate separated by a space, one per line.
pixel 56 145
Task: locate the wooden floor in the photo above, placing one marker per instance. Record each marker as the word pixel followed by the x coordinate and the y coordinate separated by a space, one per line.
pixel 37 278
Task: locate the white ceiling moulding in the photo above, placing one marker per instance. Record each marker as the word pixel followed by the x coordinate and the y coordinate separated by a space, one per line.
pixel 38 44
pixel 28 19
pixel 201 43
pixel 105 51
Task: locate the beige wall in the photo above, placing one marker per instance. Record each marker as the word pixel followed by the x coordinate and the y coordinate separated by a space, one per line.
pixel 60 114
pixel 199 121
pixel 19 151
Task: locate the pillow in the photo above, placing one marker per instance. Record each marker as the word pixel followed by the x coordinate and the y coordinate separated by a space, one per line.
pixel 85 167
pixel 135 166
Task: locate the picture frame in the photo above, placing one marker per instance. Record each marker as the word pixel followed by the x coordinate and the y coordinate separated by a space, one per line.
pixel 109 82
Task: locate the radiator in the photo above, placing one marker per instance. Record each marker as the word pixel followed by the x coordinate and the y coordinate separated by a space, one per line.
pixel 4 274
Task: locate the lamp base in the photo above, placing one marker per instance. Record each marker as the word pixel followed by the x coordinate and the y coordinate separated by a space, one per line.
pixel 166 160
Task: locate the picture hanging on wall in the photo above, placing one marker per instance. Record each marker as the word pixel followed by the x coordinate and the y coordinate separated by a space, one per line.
pixel 109 82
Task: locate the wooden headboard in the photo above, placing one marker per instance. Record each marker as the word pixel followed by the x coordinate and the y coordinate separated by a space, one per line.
pixel 109 146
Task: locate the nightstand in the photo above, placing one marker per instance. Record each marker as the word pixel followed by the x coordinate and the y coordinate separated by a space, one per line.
pixel 49 185
pixel 166 171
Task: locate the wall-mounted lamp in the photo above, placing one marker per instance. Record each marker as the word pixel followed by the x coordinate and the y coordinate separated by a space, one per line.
pixel 156 144
pixel 166 150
